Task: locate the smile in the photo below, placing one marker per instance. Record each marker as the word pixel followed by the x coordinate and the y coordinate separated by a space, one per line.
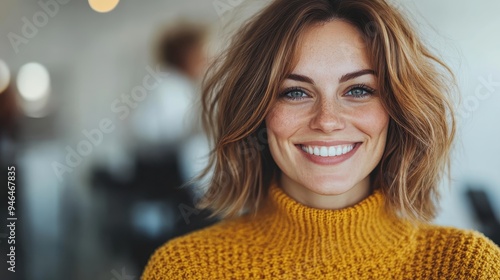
pixel 330 151
pixel 328 155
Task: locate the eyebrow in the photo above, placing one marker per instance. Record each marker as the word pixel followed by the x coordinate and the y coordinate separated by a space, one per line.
pixel 344 78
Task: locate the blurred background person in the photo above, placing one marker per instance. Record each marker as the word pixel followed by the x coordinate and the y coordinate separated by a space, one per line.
pixel 167 123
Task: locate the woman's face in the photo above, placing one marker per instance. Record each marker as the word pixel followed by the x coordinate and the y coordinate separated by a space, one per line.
pixel 328 129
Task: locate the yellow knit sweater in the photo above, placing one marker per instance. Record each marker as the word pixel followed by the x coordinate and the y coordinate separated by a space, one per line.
pixel 288 240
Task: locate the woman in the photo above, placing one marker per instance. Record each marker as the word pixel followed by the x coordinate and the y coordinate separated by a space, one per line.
pixel 332 126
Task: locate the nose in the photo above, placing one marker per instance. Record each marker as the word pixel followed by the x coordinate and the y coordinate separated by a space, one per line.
pixel 328 117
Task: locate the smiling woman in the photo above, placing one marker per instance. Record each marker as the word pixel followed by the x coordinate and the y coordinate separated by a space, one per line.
pixel 331 112
pixel 354 126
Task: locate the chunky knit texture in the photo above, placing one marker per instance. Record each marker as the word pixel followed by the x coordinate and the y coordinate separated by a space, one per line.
pixel 288 240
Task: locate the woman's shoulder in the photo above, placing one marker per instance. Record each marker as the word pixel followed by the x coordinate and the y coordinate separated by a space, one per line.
pixel 462 238
pixel 186 255
pixel 463 251
pixel 219 232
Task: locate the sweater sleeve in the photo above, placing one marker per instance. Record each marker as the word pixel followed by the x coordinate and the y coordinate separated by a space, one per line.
pixel 165 263
pixel 156 268
pixel 192 256
pixel 484 262
pixel 452 253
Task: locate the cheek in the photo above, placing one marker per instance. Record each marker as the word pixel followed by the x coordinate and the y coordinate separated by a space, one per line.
pixel 281 121
pixel 372 119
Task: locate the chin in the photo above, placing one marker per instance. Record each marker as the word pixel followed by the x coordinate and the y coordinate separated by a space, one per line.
pixel 329 187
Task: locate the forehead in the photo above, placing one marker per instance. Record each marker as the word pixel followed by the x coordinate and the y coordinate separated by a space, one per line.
pixel 336 47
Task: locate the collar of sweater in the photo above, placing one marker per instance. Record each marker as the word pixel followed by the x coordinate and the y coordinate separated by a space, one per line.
pixel 363 228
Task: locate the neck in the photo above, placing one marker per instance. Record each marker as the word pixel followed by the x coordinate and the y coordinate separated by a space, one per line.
pixel 324 199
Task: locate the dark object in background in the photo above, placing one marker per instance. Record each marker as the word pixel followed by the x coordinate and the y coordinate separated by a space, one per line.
pixel 143 213
pixel 9 111
pixel 485 214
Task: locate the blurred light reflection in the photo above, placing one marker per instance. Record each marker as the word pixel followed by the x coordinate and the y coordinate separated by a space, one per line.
pixel 103 6
pixel 33 84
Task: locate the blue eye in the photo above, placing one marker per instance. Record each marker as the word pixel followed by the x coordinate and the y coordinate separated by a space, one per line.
pixel 360 91
pixel 294 94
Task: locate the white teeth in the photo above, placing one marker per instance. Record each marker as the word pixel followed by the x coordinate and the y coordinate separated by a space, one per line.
pixel 328 151
pixel 332 151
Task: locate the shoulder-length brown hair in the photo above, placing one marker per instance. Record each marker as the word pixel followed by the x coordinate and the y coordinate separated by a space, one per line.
pixel 242 85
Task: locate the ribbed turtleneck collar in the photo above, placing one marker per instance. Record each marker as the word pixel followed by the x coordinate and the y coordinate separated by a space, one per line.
pixel 365 226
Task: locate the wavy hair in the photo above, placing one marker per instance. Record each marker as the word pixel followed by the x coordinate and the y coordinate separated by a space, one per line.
pixel 242 85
